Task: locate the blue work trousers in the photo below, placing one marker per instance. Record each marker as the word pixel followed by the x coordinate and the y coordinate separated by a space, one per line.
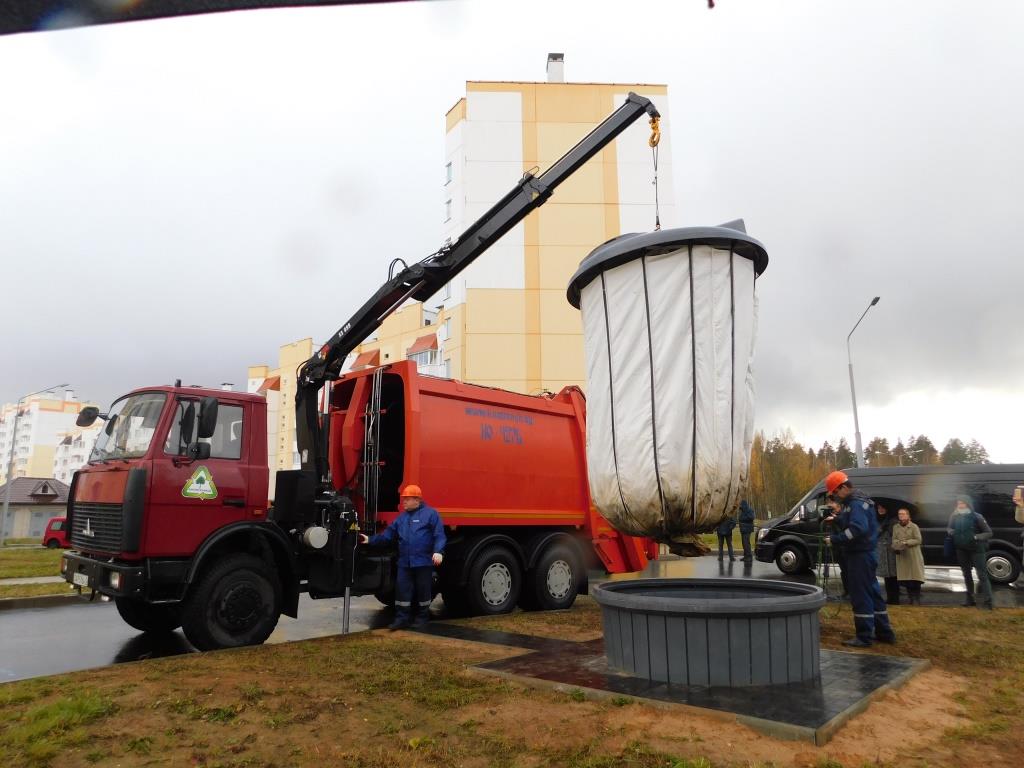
pixel 869 613
pixel 413 594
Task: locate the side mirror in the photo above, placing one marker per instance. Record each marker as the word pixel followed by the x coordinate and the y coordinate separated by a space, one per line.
pixel 207 417
pixel 188 418
pixel 199 451
pixel 88 416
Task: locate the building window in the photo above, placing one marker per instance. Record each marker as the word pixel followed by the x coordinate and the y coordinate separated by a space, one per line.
pixel 426 357
pixel 448 173
pixel 448 368
pixel 446 292
pixel 448 210
pixel 446 330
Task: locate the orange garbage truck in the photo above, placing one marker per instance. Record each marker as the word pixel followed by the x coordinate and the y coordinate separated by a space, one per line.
pixel 170 518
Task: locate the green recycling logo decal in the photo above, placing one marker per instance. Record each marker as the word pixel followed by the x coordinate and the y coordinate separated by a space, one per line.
pixel 200 485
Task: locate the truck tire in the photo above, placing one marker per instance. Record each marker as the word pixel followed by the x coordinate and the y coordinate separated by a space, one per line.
pixel 236 602
pixel 791 558
pixel 554 582
pixel 52 544
pixel 495 581
pixel 1002 567
pixel 149 617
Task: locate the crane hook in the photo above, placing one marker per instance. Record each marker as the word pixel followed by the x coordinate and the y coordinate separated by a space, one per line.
pixel 655 132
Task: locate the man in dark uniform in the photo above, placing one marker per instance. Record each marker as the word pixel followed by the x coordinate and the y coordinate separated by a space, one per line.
pixel 856 531
pixel 421 541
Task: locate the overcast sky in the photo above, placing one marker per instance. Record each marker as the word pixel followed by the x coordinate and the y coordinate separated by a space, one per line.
pixel 180 197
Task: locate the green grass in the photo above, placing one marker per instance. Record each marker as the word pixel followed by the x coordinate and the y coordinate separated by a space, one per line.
pixel 8 591
pixel 26 563
pixel 40 733
pixel 396 700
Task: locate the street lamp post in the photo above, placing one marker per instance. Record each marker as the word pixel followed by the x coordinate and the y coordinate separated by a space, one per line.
pixel 853 391
pixel 9 481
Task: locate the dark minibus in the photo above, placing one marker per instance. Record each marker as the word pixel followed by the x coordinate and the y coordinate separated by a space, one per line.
pixel 930 493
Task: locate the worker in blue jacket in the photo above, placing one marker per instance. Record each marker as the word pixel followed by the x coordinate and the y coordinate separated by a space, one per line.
pixel 421 541
pixel 746 520
pixel 855 529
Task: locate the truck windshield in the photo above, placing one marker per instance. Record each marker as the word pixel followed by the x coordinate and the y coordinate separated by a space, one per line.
pixel 130 427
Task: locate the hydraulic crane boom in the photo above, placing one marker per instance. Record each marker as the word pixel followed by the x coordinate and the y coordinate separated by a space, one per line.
pixel 425 278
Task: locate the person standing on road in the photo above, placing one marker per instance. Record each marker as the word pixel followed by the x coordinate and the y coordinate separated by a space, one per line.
pixel 906 543
pixel 725 536
pixel 1018 512
pixel 886 556
pixel 421 541
pixel 746 520
pixel 856 529
pixel 969 532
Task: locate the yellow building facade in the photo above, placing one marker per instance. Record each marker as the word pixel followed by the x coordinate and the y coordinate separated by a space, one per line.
pixel 278 385
pixel 505 321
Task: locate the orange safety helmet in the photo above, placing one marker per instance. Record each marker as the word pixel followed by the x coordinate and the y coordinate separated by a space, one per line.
pixel 412 491
pixel 833 480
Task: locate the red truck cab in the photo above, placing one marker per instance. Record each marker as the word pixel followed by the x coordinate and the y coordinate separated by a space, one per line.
pixel 154 491
pixel 56 534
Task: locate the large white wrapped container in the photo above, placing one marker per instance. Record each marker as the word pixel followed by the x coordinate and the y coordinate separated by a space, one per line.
pixel 669 321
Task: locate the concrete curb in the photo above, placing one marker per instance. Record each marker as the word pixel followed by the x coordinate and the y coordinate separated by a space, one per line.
pixel 39 601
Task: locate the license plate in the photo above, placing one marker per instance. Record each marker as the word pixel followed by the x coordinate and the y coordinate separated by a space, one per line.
pixel 81 579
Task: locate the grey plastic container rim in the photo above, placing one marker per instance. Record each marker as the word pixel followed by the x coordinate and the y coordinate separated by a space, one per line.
pixel 780 598
pixel 625 248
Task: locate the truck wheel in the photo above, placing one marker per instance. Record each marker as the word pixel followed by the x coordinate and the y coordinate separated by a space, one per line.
pixel 791 559
pixel 147 617
pixel 495 581
pixel 52 544
pixel 1002 567
pixel 237 602
pixel 555 581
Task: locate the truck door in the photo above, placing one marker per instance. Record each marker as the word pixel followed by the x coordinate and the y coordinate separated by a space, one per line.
pixel 192 498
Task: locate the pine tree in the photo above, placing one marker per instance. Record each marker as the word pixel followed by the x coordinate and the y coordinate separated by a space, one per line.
pixel 878 453
pixel 955 452
pixel 976 453
pixel 923 450
pixel 844 456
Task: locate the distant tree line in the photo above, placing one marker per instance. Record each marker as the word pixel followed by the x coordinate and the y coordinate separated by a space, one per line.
pixel 782 470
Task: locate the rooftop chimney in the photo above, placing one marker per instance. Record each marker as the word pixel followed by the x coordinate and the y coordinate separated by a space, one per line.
pixel 227 386
pixel 556 67
pixel 69 395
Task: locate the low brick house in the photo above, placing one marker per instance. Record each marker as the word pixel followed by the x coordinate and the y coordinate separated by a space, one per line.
pixel 34 500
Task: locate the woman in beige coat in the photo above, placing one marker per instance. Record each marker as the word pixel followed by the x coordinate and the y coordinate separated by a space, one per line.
pixel 906 543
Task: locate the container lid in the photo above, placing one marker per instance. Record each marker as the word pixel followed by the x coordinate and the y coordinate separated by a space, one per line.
pixel 732 235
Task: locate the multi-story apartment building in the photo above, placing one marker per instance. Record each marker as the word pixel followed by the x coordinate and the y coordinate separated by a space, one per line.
pixel 505 321
pixel 73 450
pixel 41 422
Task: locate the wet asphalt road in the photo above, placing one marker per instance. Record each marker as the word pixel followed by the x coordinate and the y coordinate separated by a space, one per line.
pixel 45 641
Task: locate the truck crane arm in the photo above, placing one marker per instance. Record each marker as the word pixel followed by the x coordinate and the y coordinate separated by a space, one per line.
pixel 425 278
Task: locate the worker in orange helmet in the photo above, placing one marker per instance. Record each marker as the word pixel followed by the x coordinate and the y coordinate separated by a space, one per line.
pixel 856 531
pixel 419 533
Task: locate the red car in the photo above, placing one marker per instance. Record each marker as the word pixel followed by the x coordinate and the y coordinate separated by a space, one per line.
pixel 56 534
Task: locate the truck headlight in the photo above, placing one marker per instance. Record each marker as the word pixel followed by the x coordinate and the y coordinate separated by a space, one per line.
pixel 761 533
pixel 63 565
pixel 114 580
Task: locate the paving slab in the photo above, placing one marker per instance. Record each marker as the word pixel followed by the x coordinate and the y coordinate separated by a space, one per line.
pixel 810 711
